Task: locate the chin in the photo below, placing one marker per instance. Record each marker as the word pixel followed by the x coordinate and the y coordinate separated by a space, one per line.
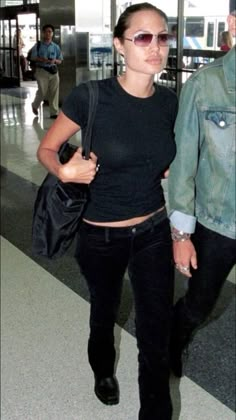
pixel 156 69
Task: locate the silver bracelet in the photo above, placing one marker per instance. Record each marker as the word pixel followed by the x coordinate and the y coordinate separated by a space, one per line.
pixel 179 235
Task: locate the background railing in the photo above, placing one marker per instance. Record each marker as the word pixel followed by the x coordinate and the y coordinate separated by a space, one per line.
pixel 174 76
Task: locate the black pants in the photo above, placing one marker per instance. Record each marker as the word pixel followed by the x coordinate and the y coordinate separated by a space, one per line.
pixel 216 257
pixel 145 249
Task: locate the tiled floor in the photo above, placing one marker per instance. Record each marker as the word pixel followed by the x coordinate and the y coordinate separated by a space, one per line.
pixel 45 309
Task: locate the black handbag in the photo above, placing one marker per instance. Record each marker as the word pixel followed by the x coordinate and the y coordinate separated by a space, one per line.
pixel 59 206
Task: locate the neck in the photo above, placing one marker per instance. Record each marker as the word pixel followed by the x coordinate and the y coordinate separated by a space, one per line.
pixel 140 88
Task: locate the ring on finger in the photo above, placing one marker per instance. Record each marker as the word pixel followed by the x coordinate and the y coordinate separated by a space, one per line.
pixel 184 268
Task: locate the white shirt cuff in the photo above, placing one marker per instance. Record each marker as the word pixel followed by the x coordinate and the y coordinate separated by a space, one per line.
pixel 182 221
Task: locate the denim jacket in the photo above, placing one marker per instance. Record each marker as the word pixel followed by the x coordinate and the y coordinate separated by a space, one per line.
pixel 201 183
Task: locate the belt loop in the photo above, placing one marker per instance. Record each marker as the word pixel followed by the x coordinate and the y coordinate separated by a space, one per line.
pixel 107 235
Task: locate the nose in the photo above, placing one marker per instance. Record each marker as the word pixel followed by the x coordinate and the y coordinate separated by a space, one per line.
pixel 155 42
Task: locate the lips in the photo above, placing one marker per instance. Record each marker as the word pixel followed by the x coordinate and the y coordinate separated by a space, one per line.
pixel 154 61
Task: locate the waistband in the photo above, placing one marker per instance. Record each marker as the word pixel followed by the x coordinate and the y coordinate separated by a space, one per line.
pixel 148 224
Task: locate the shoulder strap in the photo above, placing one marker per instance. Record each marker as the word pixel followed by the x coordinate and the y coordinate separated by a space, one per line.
pixel 38 46
pixel 93 100
pixel 30 51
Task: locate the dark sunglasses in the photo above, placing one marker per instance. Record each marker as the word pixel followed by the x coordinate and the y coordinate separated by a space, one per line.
pixel 145 39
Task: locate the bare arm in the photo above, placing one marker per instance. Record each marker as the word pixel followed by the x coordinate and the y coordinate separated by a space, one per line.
pixel 77 169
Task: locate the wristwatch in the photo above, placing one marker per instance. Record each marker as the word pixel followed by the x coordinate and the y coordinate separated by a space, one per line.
pixel 179 235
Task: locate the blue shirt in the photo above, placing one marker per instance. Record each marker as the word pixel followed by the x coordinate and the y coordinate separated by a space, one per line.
pixel 50 51
pixel 201 183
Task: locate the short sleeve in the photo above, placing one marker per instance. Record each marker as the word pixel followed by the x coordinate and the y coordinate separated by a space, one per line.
pixel 75 105
pixel 34 51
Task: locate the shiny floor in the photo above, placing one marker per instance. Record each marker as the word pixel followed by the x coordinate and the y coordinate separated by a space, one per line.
pixel 45 310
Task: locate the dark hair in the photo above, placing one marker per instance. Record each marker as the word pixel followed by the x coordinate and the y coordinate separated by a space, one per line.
pixel 48 25
pixel 124 19
pixel 232 7
pixel 174 27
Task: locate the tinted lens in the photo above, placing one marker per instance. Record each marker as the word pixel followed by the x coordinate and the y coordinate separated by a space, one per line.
pixel 164 39
pixel 142 40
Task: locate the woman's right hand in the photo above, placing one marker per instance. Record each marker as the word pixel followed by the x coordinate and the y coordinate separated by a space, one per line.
pixel 78 169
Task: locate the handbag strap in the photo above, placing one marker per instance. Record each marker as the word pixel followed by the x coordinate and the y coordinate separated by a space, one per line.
pixel 93 100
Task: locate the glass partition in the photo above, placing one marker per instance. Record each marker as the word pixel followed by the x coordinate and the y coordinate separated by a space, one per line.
pixel 8 53
pixel 94 46
pixel 18 32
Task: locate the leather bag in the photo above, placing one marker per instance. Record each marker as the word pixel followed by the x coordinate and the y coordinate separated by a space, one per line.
pixel 59 207
pixel 51 69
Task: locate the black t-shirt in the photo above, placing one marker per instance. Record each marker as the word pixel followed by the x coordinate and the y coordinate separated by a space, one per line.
pixel 134 142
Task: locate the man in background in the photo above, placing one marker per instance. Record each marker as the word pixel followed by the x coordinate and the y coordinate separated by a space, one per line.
pixel 19 44
pixel 47 56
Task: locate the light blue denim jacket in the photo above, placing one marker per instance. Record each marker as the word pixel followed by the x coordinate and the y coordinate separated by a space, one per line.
pixel 201 183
